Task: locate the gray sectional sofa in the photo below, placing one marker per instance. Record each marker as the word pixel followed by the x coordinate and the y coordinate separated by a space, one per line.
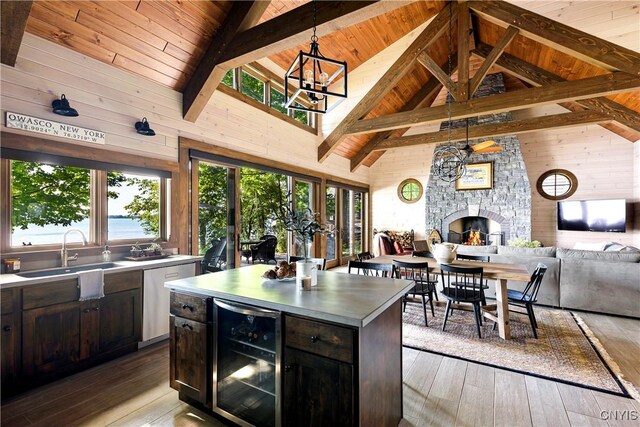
pixel 604 282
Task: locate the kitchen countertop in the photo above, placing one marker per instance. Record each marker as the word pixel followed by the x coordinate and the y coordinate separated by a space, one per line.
pixel 339 297
pixel 12 280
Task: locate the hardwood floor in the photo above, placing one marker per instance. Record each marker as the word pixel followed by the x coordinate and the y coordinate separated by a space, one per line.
pixel 440 391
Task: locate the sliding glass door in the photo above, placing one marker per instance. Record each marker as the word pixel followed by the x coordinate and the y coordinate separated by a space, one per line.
pixel 345 210
pixel 331 217
pixel 216 220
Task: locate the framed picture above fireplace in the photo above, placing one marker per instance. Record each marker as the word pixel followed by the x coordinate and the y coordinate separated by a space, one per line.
pixel 479 176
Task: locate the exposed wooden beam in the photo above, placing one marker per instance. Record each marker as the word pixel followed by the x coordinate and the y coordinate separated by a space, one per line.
pixel 14 20
pixel 463 51
pixel 432 66
pixel 210 71
pixel 587 47
pixel 491 58
pixel 426 95
pixel 515 127
pixel 390 78
pixel 424 98
pixel 608 84
pixel 538 77
pixel 293 28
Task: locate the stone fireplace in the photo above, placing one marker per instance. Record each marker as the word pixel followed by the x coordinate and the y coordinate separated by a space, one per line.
pixel 506 207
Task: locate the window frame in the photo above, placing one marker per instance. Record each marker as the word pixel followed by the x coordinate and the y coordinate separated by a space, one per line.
pixel 406 182
pixel 98 218
pixel 270 80
pixel 573 184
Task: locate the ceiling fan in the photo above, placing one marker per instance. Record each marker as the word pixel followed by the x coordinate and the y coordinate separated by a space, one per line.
pixel 481 147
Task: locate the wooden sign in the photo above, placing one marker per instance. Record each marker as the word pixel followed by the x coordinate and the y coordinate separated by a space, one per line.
pixel 47 127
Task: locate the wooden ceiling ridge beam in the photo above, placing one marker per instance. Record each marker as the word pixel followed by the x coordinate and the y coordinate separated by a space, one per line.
pixel 391 77
pixel 538 77
pixel 514 127
pixel 293 27
pixel 491 58
pixel 464 20
pixel 211 70
pixel 586 47
pixel 423 98
pixel 607 84
pixel 432 66
pixel 14 20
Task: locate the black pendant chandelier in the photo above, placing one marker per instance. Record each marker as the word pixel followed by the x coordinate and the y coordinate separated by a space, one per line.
pixel 306 83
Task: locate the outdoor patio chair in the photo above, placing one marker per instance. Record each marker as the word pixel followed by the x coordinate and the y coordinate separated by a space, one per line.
pixel 265 251
pixel 215 256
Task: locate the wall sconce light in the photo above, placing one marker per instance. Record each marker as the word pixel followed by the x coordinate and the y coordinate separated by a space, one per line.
pixel 143 128
pixel 61 106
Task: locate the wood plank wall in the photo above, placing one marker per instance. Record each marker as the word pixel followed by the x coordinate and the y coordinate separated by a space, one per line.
pixel 606 165
pixel 603 163
pixel 112 100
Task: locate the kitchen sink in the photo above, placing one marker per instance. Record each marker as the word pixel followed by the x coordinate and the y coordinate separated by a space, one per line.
pixel 67 270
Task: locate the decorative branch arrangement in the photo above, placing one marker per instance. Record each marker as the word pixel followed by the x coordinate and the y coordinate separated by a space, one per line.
pixel 304 224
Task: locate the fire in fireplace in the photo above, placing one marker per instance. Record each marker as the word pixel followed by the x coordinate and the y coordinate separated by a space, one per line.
pixel 476 229
pixel 474 238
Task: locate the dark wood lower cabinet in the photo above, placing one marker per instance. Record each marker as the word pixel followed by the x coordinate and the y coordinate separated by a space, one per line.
pixel 8 343
pixel 61 335
pixel 190 361
pixel 317 390
pixel 120 319
pixel 50 338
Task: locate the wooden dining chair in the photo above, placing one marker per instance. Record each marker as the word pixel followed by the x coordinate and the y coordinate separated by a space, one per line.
pixel 529 295
pixel 424 287
pixel 479 258
pixel 462 285
pixel 321 262
pixel 370 269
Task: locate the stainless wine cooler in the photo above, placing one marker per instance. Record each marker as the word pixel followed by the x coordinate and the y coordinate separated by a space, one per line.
pixel 246 365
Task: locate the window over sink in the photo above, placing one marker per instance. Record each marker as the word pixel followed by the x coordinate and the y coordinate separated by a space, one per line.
pixel 53 195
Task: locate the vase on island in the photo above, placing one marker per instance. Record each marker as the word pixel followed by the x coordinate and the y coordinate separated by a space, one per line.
pixel 306 269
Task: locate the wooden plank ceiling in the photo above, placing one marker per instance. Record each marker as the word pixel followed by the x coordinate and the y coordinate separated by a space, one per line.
pixel 165 41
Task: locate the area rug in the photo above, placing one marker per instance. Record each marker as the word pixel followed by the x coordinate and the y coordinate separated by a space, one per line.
pixel 563 351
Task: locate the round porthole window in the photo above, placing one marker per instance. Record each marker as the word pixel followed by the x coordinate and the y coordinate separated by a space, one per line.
pixel 410 190
pixel 557 184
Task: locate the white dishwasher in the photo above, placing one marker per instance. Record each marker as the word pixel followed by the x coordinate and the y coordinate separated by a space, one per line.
pixel 155 306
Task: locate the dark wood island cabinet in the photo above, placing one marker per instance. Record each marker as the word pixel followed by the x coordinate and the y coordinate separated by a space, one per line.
pixel 340 352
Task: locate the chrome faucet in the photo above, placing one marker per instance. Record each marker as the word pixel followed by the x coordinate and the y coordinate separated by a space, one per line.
pixel 63 252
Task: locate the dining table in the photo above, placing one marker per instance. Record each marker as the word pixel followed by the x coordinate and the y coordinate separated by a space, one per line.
pixel 499 272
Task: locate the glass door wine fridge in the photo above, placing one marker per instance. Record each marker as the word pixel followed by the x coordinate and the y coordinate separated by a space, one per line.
pixel 246 374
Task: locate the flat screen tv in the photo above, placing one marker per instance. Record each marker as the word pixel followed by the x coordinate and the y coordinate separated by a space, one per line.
pixel 592 215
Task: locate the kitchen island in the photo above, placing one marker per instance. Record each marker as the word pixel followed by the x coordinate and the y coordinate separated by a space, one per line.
pixel 326 356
